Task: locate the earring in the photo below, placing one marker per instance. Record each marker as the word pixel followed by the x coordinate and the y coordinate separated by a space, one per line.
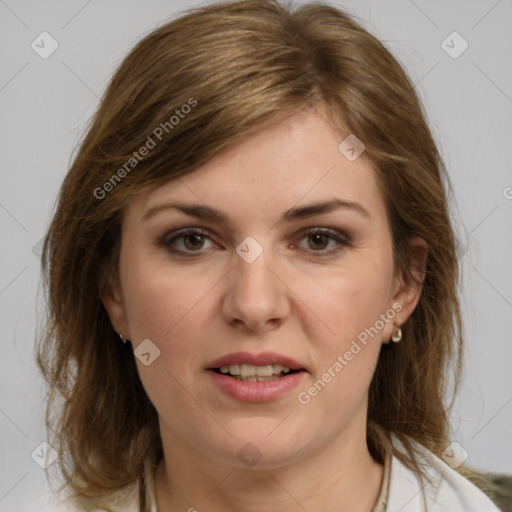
pixel 121 336
pixel 397 333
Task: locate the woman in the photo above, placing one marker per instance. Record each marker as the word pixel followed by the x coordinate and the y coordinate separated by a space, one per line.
pixel 252 278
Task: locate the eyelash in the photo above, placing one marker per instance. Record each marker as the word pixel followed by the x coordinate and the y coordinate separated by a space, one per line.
pixel 173 236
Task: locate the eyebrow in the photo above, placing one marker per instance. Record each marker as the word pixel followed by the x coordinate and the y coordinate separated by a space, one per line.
pixel 293 214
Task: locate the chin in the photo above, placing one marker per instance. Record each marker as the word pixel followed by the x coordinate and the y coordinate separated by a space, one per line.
pixel 261 448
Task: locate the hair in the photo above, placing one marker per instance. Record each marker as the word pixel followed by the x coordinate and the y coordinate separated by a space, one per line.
pixel 187 90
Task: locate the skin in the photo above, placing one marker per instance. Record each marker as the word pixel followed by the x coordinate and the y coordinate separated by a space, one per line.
pixel 289 300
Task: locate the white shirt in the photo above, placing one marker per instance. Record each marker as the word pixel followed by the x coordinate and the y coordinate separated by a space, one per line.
pixel 448 492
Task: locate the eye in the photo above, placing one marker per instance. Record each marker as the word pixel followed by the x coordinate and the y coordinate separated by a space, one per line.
pixel 192 241
pixel 319 239
pixel 188 240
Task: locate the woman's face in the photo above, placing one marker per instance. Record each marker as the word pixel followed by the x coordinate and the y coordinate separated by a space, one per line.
pixel 280 278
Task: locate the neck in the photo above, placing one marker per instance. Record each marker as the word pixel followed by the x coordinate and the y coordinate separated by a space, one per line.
pixel 340 476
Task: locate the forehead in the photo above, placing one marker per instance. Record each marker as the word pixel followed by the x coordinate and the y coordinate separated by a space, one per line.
pixel 296 161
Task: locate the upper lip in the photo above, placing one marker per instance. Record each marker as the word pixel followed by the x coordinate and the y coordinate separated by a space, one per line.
pixel 261 359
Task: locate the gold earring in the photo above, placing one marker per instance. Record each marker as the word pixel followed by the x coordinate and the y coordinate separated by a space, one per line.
pixel 397 333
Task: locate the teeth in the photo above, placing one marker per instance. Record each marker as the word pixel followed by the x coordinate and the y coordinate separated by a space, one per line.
pixel 233 369
pixel 255 378
pixel 278 368
pixel 263 371
pixel 247 371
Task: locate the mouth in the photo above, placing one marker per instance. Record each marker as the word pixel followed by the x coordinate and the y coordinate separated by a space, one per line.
pixel 250 377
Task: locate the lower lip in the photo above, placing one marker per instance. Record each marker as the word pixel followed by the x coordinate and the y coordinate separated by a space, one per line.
pixel 265 391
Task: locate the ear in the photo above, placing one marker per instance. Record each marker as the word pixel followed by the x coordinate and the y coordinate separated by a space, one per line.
pixel 112 299
pixel 408 285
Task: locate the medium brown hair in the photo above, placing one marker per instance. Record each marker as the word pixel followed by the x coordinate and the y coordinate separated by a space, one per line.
pixel 246 65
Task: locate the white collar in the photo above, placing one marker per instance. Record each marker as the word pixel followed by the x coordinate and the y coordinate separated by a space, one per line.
pixel 448 491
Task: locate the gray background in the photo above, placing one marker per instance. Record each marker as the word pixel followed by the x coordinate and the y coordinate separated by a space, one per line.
pixel 45 103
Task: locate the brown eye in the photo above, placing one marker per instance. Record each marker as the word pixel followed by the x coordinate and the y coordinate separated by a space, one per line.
pixel 192 242
pixel 318 241
pixel 195 241
pixel 186 241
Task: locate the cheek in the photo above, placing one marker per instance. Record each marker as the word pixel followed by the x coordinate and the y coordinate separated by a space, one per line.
pixel 170 308
pixel 346 342
pixel 348 302
pixel 167 310
pixel 346 345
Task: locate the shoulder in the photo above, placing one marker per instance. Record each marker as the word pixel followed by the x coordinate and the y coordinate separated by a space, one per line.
pixel 499 490
pixel 446 490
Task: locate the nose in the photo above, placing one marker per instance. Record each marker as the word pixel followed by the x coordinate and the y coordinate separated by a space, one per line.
pixel 257 298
